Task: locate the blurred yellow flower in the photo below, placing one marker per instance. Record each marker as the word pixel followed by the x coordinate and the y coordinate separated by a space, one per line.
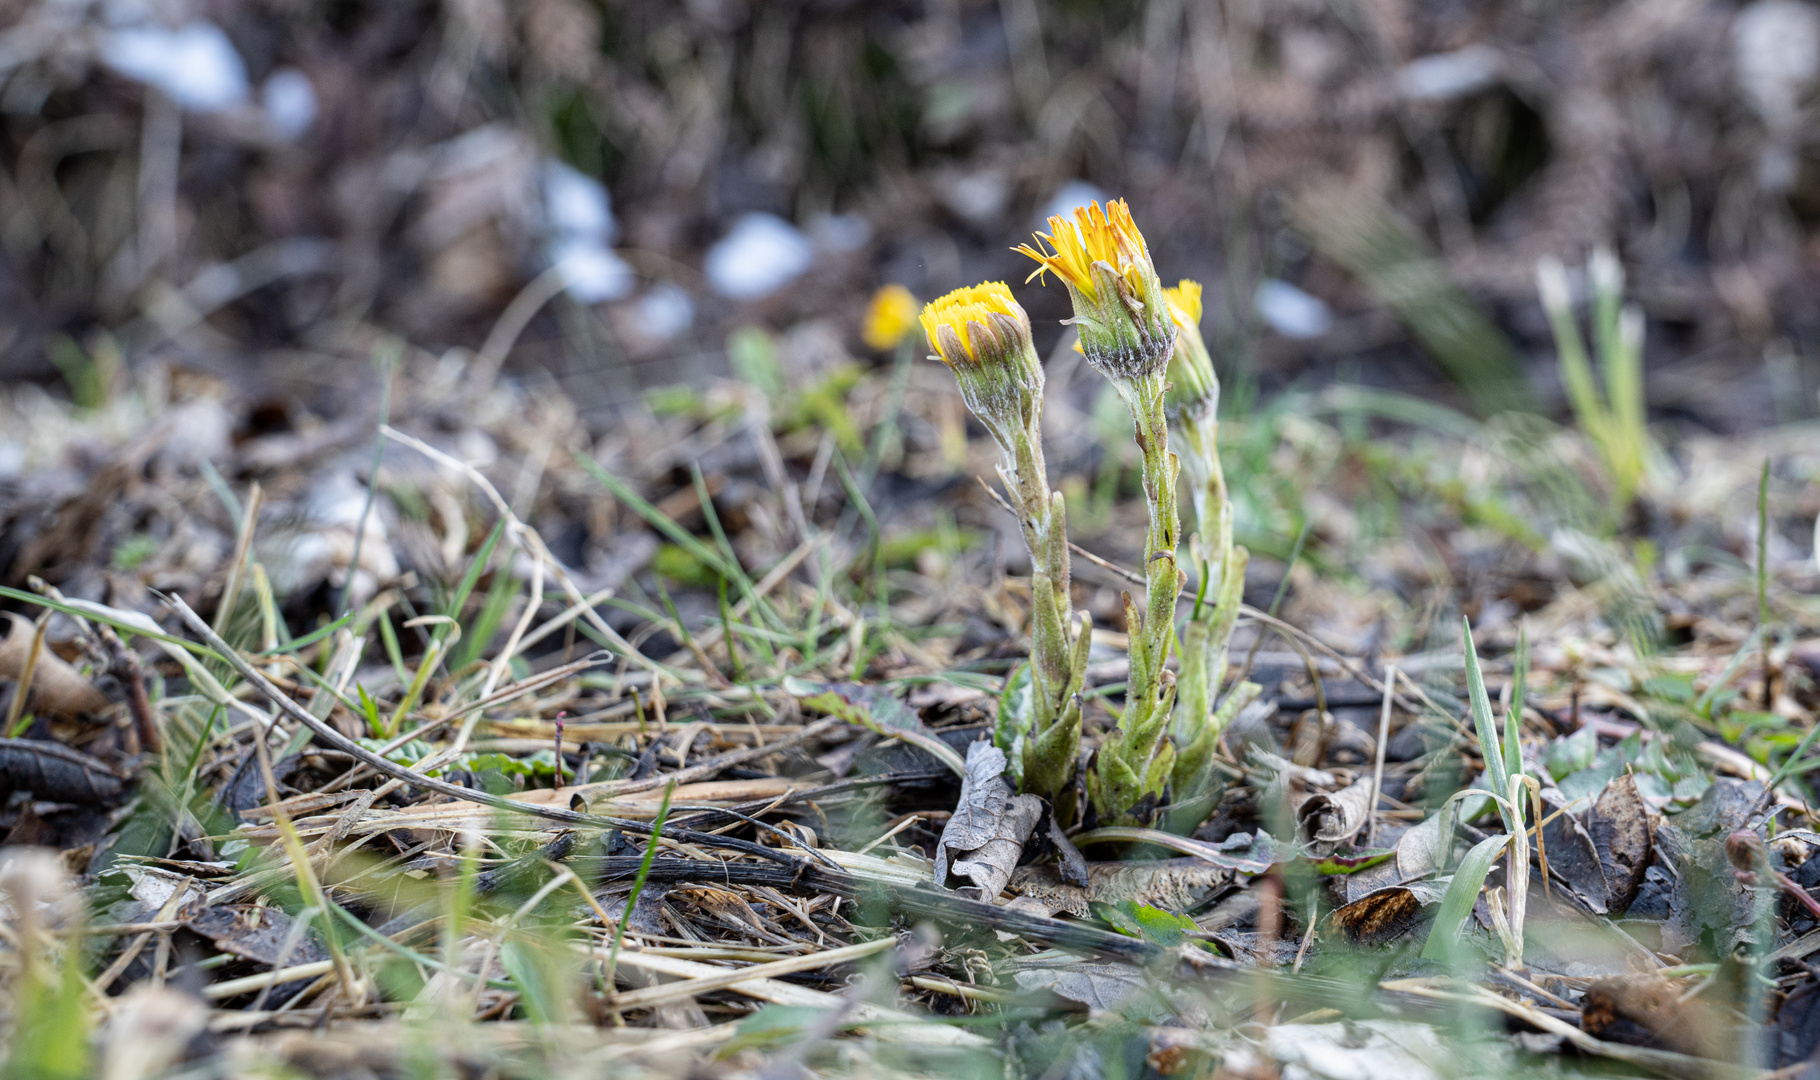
pixel 1094 236
pixel 1185 304
pixel 984 305
pixel 890 315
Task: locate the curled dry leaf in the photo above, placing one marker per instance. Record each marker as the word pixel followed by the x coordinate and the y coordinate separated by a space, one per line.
pixel 1573 855
pixel 1324 822
pixel 57 687
pixel 1387 915
pixel 984 839
pixel 1418 850
pixel 1623 835
pixel 1099 986
pixel 256 932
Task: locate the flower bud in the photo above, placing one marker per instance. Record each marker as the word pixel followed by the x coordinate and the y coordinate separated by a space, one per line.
pixel 983 335
pixel 1194 389
pixel 1124 322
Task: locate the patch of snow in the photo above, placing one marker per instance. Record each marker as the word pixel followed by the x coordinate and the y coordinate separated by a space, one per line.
pixel 289 100
pixel 590 270
pixel 664 311
pixel 1290 311
pixel 760 255
pixel 195 65
pixel 576 204
pixel 1448 75
pixel 579 215
pixel 1069 198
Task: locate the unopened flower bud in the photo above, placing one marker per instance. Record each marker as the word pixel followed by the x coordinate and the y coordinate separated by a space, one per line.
pixel 983 335
pixel 1194 389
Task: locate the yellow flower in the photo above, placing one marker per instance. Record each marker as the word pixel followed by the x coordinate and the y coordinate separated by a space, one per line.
pixel 1185 304
pixel 983 336
pixel 889 316
pixel 1108 236
pixel 1194 389
pixel 946 320
pixel 1125 327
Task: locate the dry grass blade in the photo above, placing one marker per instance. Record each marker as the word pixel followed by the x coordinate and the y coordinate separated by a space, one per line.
pixel 655 995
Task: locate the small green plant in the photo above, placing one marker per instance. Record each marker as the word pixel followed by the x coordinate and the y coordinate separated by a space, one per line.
pixel 1194 404
pixel 1508 784
pixel 1613 419
pixel 1127 334
pixel 983 335
pixel 1131 331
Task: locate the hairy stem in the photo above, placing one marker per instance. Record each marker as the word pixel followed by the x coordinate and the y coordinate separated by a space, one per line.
pixel 1135 762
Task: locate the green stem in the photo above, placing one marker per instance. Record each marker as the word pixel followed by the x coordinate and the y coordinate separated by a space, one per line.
pixel 1135 762
pixel 1058 639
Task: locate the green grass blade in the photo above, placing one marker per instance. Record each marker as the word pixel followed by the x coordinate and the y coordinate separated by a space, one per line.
pixel 1513 718
pixel 1462 892
pixel 492 615
pixel 311 638
pixel 465 588
pixel 638 882
pixel 657 519
pixel 1703 705
pixel 94 613
pixel 1480 703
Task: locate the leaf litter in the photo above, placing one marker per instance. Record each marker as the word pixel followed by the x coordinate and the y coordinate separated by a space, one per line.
pixel 446 854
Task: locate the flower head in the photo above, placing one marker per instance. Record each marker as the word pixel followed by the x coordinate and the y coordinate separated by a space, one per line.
pixel 1194 389
pixel 1185 304
pixel 1102 258
pixel 983 335
pixel 890 315
pixel 952 321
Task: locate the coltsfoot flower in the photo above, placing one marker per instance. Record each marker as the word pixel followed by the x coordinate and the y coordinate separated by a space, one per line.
pixel 1128 333
pixel 1194 389
pixel 890 316
pixel 1119 307
pixel 983 334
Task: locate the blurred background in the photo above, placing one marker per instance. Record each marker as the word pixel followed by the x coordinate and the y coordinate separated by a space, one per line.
pixel 1365 186
pixel 236 236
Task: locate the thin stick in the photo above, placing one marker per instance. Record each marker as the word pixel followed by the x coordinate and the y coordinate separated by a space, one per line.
pixel 386 353
pixel 527 538
pixel 1377 771
pixel 688 988
pixel 1104 564
pixel 230 592
pixel 24 687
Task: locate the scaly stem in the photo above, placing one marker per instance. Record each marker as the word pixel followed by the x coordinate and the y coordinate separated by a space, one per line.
pixel 1197 727
pixel 1135 762
pixel 1050 733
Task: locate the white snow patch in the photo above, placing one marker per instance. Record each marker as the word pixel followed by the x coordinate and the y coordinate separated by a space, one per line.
pixel 289 100
pixel 664 311
pixel 195 65
pixel 1290 311
pixel 760 255
pixel 590 271
pixel 1070 197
